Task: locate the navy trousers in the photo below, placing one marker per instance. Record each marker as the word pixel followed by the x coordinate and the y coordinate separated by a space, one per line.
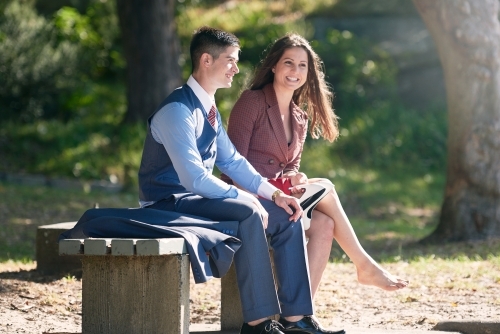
pixel 258 294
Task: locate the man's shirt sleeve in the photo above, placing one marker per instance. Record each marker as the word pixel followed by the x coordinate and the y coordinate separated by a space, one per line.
pixel 174 127
pixel 234 165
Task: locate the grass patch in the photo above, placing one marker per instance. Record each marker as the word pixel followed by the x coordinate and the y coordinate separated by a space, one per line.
pixel 23 208
pixel 389 210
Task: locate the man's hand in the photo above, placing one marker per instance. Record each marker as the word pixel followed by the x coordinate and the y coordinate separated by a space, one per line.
pixel 290 204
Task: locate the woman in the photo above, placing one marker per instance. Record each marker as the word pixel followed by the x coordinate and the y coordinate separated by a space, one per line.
pixel 268 126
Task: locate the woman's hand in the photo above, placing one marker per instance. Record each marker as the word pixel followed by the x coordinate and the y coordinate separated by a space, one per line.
pixel 297 180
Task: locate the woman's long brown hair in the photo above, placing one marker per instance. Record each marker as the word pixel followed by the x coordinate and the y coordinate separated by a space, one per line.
pixel 315 97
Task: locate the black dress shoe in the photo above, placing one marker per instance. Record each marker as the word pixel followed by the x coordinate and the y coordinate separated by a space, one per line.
pixel 306 325
pixel 268 326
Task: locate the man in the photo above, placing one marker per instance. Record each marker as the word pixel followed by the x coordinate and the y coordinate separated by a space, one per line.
pixel 185 139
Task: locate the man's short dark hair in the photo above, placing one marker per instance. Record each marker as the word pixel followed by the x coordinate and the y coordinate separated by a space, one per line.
pixel 212 41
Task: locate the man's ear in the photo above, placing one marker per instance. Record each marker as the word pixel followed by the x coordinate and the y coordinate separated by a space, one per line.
pixel 205 60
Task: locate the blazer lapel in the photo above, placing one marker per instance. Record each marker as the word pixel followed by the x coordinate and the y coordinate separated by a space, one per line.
pixel 274 115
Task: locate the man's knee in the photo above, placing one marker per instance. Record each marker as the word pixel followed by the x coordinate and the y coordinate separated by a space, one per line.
pixel 240 210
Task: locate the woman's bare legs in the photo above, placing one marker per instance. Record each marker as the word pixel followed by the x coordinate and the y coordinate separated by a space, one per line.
pixel 320 236
pixel 368 270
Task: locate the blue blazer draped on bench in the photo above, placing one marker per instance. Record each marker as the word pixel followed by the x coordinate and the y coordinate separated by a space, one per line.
pixel 202 236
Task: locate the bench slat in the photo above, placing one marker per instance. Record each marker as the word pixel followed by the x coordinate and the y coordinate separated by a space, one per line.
pixel 123 246
pixel 161 246
pixel 97 246
pixel 71 247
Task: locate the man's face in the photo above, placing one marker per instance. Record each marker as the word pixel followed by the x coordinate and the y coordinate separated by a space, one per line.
pixel 224 68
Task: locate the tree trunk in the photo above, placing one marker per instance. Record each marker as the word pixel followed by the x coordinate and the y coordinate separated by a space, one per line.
pixel 467 37
pixel 152 51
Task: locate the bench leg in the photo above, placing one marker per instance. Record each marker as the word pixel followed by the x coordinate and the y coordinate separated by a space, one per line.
pixel 231 314
pixel 48 261
pixel 231 317
pixel 135 294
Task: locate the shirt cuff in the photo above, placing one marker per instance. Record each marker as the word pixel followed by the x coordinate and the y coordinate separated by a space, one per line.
pixel 266 190
pixel 245 196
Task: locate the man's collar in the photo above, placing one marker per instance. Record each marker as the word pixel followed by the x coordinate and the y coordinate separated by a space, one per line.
pixel 205 99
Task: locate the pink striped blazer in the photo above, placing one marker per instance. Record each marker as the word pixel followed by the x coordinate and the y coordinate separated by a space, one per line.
pixel 256 130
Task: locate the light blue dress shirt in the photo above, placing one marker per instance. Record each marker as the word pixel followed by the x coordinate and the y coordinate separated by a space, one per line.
pixel 175 127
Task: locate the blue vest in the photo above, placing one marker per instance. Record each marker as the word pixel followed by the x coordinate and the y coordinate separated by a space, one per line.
pixel 157 176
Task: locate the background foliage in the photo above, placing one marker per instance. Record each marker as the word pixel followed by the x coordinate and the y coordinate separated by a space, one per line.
pixel 62 94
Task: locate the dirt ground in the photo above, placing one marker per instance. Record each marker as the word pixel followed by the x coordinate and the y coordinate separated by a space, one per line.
pixel 439 290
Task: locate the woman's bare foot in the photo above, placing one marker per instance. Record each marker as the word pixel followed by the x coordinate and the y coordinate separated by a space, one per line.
pixel 379 277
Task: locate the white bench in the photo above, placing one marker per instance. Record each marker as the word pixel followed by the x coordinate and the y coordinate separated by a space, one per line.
pixel 141 286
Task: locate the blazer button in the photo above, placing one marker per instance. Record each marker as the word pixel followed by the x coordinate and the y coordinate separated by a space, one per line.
pixel 282 165
pixel 271 161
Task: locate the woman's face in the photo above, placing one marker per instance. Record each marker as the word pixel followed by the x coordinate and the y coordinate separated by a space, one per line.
pixel 290 72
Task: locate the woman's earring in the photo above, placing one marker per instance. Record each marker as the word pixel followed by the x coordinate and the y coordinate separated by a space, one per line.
pixel 273 70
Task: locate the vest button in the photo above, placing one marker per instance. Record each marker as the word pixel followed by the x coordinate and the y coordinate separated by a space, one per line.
pixel 271 161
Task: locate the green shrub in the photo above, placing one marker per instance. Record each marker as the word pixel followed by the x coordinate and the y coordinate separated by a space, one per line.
pixel 36 70
pixel 86 150
pixel 388 136
pixel 360 74
pixel 49 65
pixel 376 130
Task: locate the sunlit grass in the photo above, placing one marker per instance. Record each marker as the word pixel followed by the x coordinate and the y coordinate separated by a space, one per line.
pixel 388 209
pixel 15 265
pixel 391 211
pixel 407 249
pixel 69 279
pixel 388 220
pixel 23 208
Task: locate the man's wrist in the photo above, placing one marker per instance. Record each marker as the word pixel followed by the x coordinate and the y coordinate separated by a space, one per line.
pixel 277 193
pixel 266 190
pixel 245 196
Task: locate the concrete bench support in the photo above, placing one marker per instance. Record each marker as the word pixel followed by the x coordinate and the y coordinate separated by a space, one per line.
pixel 231 316
pixel 48 261
pixel 127 294
pixel 231 313
pixel 142 286
pixel 147 292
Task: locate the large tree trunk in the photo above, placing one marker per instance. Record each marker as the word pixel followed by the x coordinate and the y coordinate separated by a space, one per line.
pixel 467 37
pixel 152 51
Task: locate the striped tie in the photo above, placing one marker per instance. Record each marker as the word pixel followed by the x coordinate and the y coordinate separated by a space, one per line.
pixel 211 116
